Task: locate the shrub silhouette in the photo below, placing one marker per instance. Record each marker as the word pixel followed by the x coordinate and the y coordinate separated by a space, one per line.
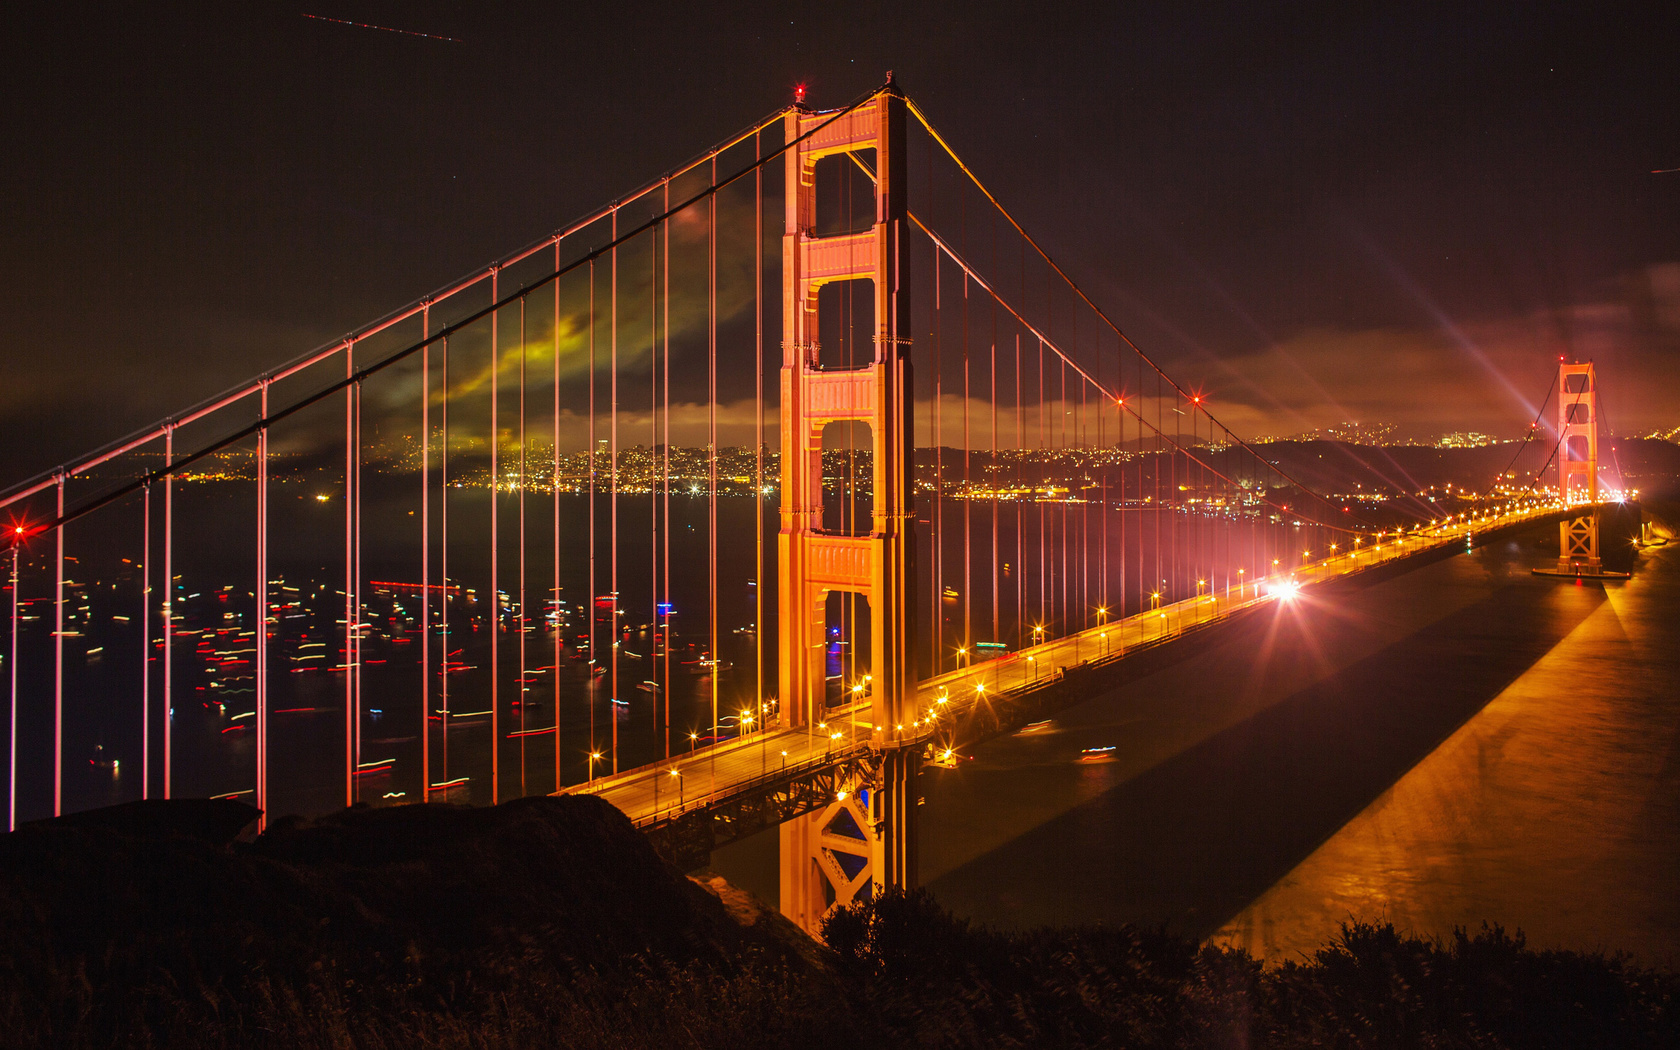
pixel 551 923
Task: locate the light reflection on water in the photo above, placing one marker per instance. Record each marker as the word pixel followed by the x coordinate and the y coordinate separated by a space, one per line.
pixel 1461 743
pixel 1553 809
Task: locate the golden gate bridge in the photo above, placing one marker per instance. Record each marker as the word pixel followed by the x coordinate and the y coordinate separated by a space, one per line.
pixel 580 522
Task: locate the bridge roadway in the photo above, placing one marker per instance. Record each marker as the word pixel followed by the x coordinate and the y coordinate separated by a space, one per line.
pixel 720 772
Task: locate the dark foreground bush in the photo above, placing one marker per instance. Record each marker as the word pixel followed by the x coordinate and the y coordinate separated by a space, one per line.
pixel 928 979
pixel 550 923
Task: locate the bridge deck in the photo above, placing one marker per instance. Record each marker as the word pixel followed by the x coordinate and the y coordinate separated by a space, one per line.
pixel 712 774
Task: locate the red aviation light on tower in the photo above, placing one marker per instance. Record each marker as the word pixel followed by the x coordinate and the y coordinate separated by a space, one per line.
pixel 799 94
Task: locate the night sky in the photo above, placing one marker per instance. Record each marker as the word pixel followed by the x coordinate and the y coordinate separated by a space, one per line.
pixel 1369 212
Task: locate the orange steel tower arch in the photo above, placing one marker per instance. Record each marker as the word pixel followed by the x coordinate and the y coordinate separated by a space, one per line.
pixel 864 840
pixel 1578 552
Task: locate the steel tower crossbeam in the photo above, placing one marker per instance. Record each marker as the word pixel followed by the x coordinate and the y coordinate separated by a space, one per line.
pixel 814 559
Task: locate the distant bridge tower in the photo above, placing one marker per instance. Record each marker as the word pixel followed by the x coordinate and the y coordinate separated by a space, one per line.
pixel 1578 467
pixel 863 840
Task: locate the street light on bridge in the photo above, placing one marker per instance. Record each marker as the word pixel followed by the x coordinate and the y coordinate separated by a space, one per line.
pixel 682 801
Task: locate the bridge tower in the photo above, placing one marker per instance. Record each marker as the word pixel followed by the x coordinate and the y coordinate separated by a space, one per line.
pixel 1578 468
pixel 863 839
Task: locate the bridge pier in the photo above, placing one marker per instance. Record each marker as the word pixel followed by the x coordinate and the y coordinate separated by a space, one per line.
pixel 1578 466
pixel 1577 454
pixel 862 839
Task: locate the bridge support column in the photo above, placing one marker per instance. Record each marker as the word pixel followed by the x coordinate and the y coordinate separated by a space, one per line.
pixel 863 839
pixel 1578 551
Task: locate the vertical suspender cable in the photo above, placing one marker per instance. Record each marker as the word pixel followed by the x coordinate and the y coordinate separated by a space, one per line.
pixel 349 554
pixel 145 643
pixel 612 478
pixel 1063 613
pixel 711 443
pixel 1076 585
pixel 593 688
pixel 426 554
pixel 856 604
pixel 968 480
pixel 758 427
pixel 495 543
pixel 168 611
pixel 443 571
pixel 58 659
pixel 11 735
pixel 938 481
pixel 554 497
pixel 968 491
pixel 523 692
pixel 1120 494
pixel 1020 542
pixel 653 490
pixel 1084 511
pixel 1178 508
pixel 1048 441
pixel 936 613
pixel 262 614
pixel 848 510
pixel 1044 563
pixel 356 580
pixel 665 475
pixel 995 476
pixel 1120 476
